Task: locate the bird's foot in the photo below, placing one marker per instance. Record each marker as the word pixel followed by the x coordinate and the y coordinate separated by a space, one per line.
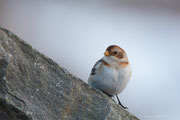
pixel 108 94
pixel 121 103
pixel 117 99
pixel 123 106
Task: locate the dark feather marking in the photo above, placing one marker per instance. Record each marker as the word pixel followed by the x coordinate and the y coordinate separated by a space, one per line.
pixel 93 71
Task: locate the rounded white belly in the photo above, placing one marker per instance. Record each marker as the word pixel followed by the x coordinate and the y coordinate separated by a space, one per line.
pixel 110 80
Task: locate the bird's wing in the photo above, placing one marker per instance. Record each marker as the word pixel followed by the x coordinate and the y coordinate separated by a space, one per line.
pixel 96 67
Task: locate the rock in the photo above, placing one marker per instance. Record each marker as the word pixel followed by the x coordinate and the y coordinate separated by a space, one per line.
pixel 33 87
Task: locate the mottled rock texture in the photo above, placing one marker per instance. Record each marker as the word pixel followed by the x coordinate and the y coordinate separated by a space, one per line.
pixel 33 87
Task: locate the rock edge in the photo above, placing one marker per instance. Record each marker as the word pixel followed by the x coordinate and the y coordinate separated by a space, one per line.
pixel 34 87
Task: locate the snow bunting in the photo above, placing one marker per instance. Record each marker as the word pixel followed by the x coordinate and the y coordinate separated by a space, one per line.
pixel 112 72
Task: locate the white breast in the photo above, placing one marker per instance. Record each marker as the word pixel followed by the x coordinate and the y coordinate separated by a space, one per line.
pixel 111 80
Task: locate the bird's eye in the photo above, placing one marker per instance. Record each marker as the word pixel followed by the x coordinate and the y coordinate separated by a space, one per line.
pixel 115 52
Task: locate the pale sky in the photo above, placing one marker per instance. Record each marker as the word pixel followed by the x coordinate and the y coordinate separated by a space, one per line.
pixel 76 34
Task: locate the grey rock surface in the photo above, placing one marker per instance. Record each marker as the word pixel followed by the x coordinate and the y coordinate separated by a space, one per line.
pixel 33 87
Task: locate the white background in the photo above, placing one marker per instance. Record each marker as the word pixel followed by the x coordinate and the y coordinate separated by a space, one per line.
pixel 75 35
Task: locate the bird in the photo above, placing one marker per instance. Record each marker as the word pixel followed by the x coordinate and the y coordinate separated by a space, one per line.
pixel 112 72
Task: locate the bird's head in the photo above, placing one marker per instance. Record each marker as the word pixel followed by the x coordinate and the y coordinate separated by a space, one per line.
pixel 116 54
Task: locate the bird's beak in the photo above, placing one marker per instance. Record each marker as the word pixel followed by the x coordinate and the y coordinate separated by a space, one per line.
pixel 106 53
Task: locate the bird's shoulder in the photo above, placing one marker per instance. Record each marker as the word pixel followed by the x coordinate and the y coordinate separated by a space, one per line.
pixel 95 67
pixel 98 65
